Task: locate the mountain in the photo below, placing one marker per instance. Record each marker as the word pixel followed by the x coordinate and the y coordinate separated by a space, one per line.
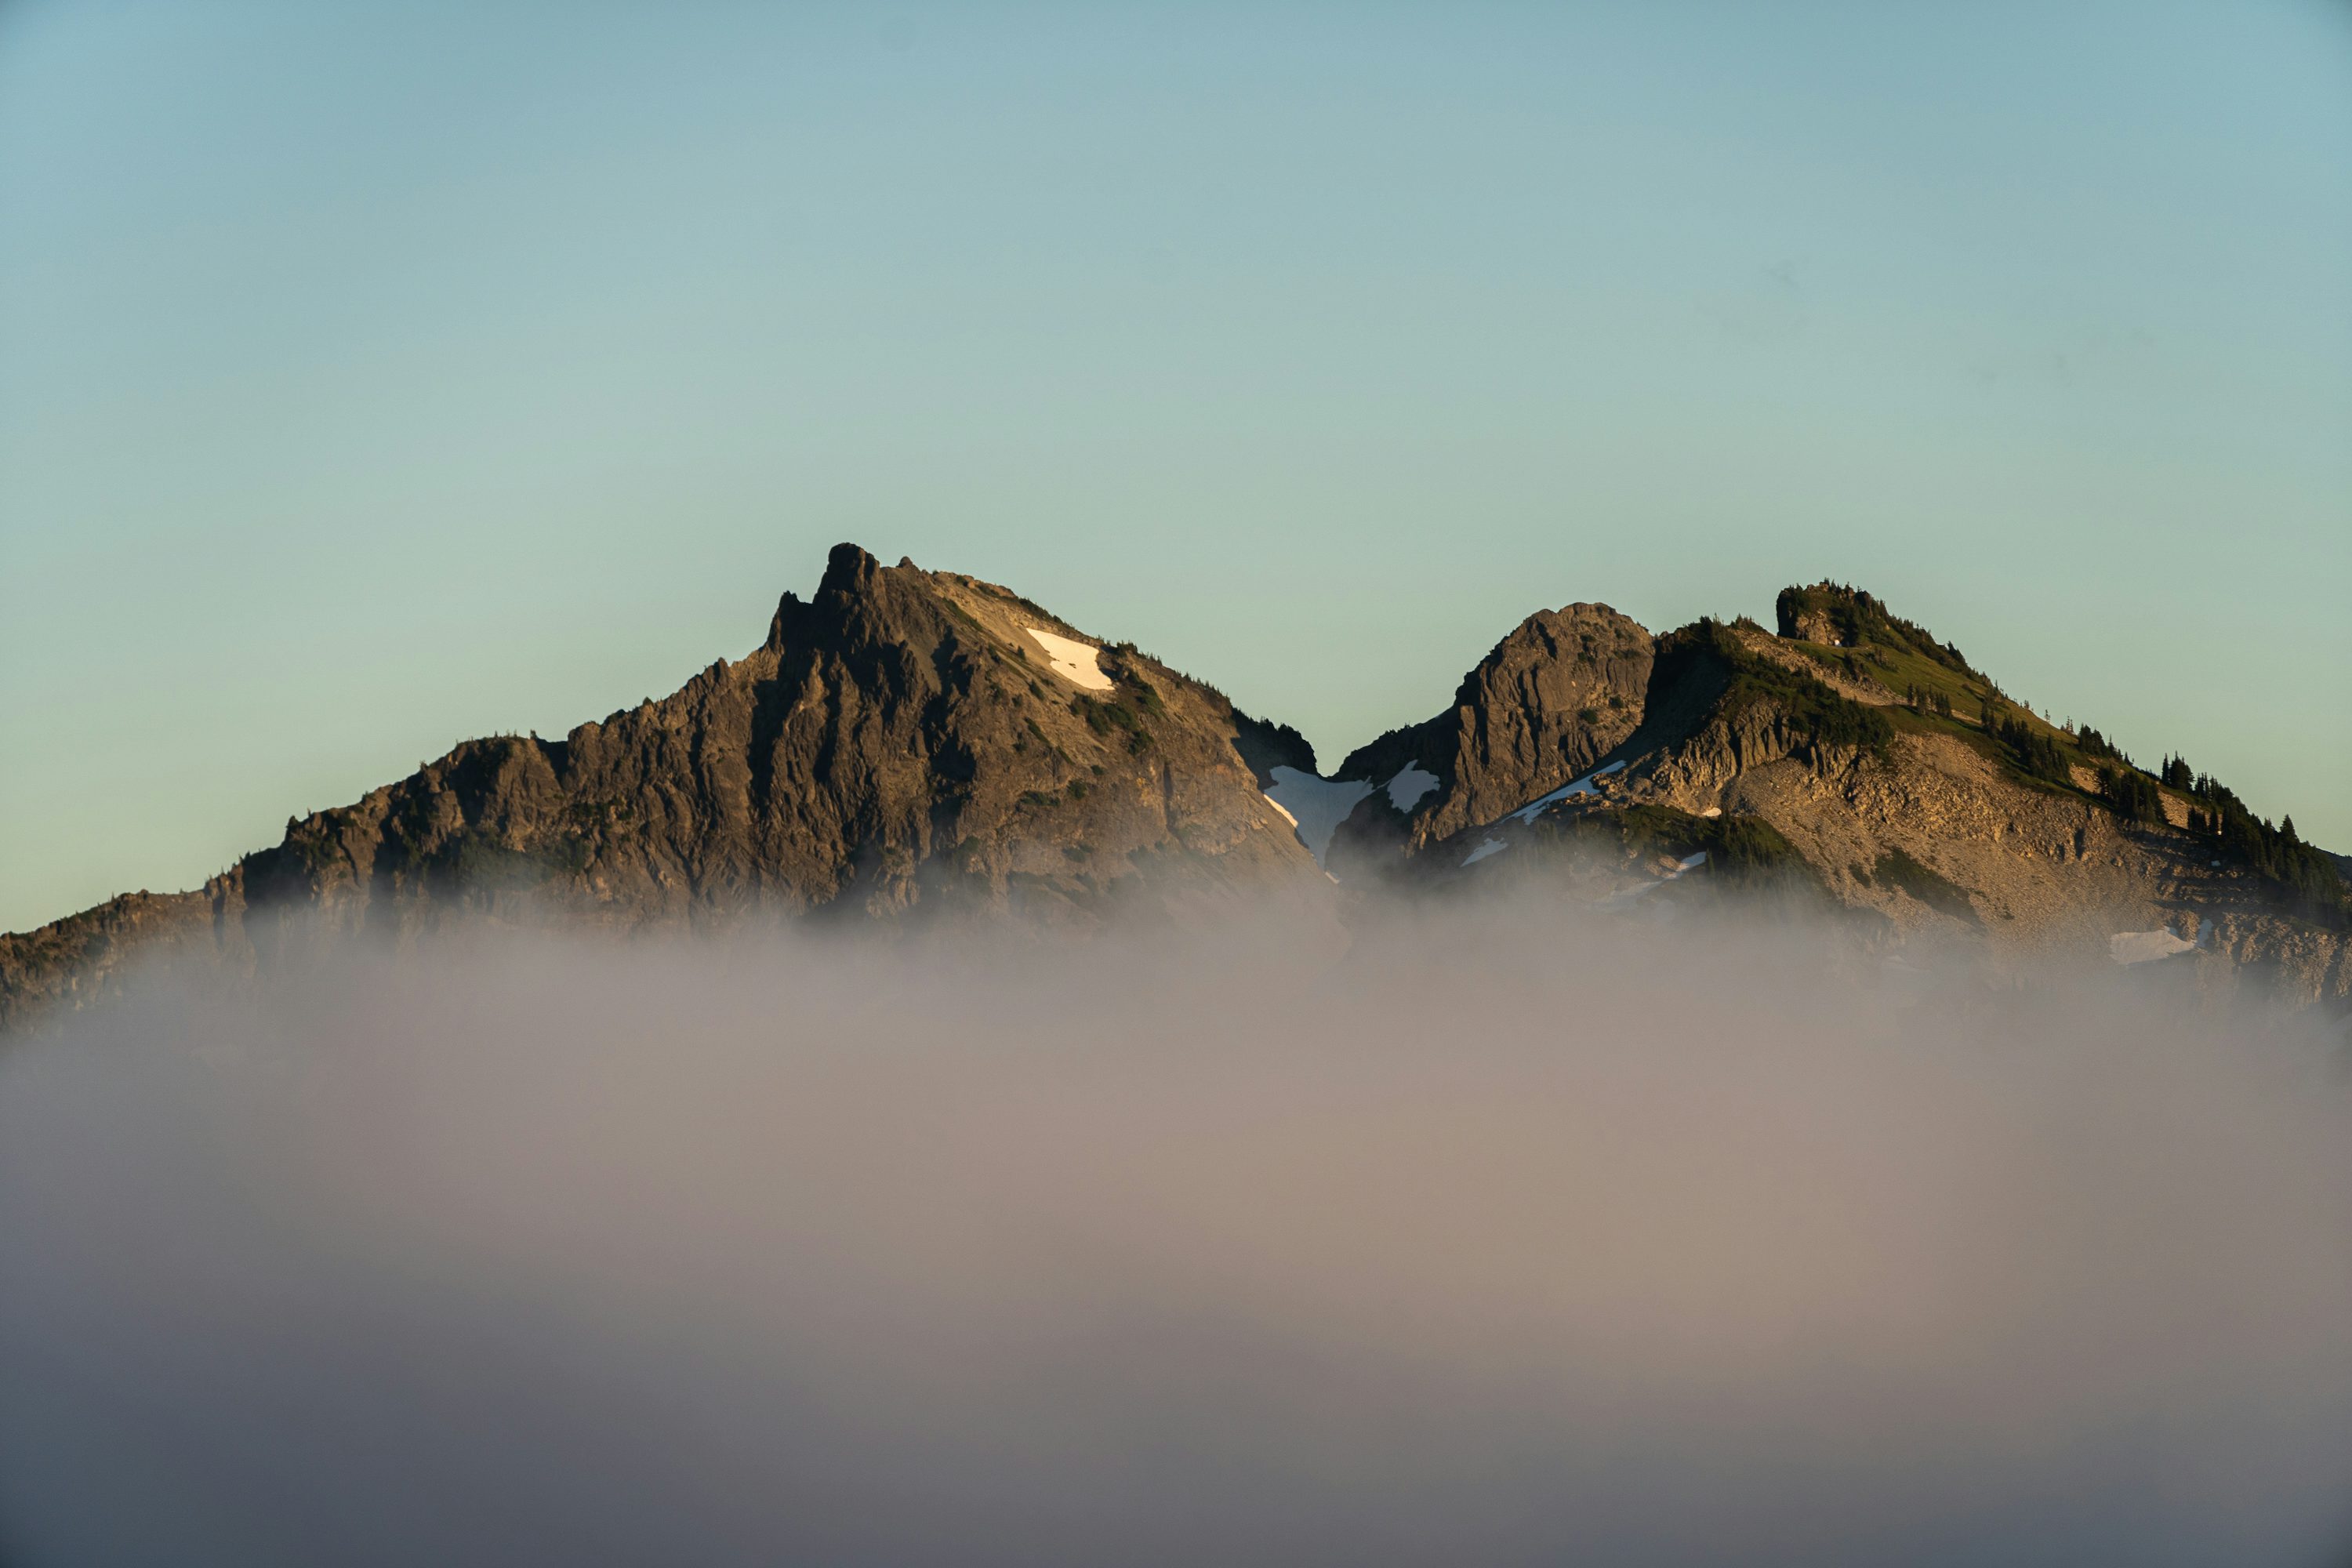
pixel 1555 696
pixel 1850 758
pixel 913 747
pixel 905 745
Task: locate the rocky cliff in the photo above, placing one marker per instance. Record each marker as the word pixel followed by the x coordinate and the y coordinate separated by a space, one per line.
pixel 904 745
pixel 909 747
pixel 1856 756
pixel 1552 697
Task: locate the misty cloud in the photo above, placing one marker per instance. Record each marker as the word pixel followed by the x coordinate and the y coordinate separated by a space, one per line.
pixel 1501 1239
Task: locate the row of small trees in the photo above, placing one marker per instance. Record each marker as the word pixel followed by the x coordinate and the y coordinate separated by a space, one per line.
pixel 2132 793
pixel 2278 853
pixel 2037 752
pixel 2216 814
pixel 2098 748
pixel 2219 817
pixel 1922 700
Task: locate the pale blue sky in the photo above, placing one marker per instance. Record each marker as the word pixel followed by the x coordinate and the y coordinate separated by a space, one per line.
pixel 375 377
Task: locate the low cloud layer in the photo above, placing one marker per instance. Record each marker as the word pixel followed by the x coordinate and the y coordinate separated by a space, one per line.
pixel 1491 1241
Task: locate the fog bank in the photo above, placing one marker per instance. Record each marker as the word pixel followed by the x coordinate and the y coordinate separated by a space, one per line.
pixel 1499 1240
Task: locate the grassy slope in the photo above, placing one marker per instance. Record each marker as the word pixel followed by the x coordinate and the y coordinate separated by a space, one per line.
pixel 1899 670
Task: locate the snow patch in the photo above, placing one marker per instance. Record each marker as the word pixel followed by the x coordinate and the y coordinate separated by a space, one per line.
pixel 1077 662
pixel 1635 894
pixel 2144 946
pixel 1632 895
pixel 1491 846
pixel 1529 812
pixel 1316 807
pixel 1410 786
pixel 1712 811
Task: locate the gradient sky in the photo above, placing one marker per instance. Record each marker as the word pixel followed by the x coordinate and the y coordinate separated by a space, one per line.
pixel 372 377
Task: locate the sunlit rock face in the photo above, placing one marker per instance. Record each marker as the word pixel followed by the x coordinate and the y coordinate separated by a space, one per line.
pixel 916 747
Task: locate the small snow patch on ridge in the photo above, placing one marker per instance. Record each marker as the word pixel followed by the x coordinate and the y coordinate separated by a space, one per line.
pixel 1077 662
pixel 2144 946
pixel 1529 812
pixel 1410 786
pixel 1491 846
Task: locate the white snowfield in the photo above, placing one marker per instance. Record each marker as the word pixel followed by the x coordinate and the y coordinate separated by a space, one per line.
pixel 1077 662
pixel 1491 846
pixel 2146 946
pixel 1316 807
pixel 1529 812
pixel 1406 790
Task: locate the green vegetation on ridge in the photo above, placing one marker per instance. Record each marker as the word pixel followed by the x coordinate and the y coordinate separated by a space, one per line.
pixel 1923 883
pixel 1742 851
pixel 1856 618
pixel 1810 709
pixel 1739 849
pixel 2278 853
pixel 1848 632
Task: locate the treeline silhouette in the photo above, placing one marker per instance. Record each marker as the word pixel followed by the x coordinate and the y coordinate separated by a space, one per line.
pixel 2307 874
pixel 2278 853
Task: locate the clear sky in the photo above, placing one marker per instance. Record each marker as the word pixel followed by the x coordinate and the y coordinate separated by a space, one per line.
pixel 375 377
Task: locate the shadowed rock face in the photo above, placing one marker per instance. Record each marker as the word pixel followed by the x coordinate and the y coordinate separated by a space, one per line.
pixel 1553 697
pixel 1789 771
pixel 902 749
pixel 899 748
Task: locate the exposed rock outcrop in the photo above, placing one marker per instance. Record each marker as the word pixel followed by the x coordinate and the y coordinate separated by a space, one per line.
pixel 1547 702
pixel 908 746
pixel 899 747
pixel 1923 816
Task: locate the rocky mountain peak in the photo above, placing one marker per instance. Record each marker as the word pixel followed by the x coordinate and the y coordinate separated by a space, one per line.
pixel 1547 701
pixel 858 601
pixel 1833 615
pixel 911 745
pixel 905 744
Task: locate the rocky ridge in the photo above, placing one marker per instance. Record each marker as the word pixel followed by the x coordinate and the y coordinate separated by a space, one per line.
pixel 1556 695
pixel 910 747
pixel 1820 758
pixel 901 747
